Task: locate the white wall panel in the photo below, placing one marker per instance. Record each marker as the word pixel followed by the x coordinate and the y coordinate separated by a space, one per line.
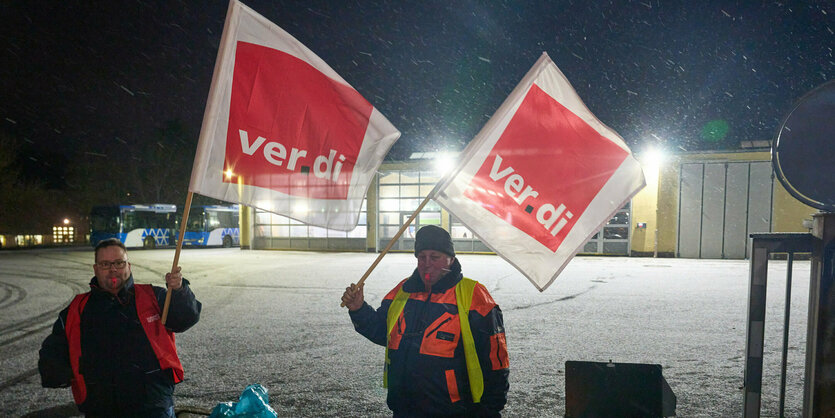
pixel 713 211
pixel 735 238
pixel 690 210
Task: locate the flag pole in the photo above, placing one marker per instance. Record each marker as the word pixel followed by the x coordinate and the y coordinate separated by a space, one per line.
pixel 202 143
pixel 177 254
pixel 391 243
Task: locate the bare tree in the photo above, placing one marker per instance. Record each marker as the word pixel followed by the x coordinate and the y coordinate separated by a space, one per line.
pixel 161 169
pixel 27 206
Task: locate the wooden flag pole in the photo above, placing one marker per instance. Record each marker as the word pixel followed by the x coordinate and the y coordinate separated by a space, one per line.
pixel 177 254
pixel 391 243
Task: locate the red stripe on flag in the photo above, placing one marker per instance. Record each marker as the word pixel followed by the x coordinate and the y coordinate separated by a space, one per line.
pixel 544 170
pixel 302 131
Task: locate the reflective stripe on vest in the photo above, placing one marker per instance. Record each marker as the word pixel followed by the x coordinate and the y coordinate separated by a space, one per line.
pixel 147 309
pixel 463 299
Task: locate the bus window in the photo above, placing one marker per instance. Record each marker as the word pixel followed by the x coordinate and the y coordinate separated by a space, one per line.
pixel 224 219
pixel 145 226
pixel 195 222
pixel 105 222
pixel 130 222
pixel 212 226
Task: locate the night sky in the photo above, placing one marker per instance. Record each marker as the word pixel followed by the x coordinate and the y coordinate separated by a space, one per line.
pixel 682 75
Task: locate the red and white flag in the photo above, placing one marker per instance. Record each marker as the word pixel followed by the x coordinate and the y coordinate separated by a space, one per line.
pixel 283 132
pixel 541 177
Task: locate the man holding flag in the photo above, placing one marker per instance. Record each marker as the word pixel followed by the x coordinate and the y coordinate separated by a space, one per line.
pixel 111 346
pixel 438 362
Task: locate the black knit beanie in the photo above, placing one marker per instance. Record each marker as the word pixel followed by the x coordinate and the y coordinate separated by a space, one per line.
pixel 431 237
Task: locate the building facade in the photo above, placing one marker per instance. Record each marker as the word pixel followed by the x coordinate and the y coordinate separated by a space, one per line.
pixel 701 205
pixel 706 205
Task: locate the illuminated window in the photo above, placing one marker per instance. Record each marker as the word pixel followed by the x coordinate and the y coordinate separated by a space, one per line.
pixel 400 194
pixel 28 240
pixel 280 231
pixel 63 234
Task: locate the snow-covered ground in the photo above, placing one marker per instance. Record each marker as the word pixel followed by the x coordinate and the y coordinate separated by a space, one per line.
pixel 273 317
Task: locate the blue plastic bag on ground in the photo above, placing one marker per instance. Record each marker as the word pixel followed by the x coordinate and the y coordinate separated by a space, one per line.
pixel 253 403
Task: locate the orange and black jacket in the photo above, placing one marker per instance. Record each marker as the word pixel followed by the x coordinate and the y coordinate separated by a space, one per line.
pixel 428 372
pixel 122 374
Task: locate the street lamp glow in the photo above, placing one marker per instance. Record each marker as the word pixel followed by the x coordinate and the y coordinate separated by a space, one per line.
pixel 66 221
pixel 300 207
pixel 654 157
pixel 444 163
pixel 265 205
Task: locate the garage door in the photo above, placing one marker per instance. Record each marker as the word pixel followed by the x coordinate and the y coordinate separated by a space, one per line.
pixel 720 205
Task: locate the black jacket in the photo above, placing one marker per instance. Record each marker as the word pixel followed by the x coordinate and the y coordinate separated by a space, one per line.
pixel 428 371
pixel 121 371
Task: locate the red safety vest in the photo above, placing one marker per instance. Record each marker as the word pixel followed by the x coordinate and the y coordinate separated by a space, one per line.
pixel 147 308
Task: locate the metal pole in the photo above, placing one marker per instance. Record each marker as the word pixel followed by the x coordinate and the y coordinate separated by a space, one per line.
pixel 786 334
pixel 752 392
pixel 655 245
pixel 818 382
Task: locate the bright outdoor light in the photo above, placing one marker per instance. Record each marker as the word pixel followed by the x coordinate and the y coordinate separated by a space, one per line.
pixel 266 205
pixel 444 162
pixel 653 157
pixel 66 221
pixel 300 207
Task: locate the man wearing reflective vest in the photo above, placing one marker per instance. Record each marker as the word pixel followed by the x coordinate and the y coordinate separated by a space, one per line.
pixel 438 363
pixel 110 344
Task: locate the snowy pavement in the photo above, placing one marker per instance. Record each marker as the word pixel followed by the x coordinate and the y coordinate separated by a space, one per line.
pixel 273 317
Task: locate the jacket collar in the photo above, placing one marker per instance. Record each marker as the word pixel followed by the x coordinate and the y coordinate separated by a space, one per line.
pixel 414 283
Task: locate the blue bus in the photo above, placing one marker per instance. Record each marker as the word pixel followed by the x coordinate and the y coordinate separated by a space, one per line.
pixel 213 226
pixel 146 226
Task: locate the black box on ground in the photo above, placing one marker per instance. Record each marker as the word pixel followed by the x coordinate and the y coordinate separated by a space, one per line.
pixel 594 389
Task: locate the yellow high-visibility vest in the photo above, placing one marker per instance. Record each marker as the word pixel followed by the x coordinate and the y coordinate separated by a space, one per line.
pixel 463 298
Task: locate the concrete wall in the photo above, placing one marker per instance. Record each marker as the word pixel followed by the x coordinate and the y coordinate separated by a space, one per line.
pixel 789 213
pixel 644 205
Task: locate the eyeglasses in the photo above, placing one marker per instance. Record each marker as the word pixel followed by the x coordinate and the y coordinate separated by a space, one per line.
pixel 119 264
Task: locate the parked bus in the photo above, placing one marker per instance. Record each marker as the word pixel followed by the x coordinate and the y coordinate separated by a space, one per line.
pixel 146 226
pixel 212 226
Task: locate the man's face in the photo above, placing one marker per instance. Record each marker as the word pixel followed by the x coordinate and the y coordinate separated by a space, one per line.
pixel 111 278
pixel 435 264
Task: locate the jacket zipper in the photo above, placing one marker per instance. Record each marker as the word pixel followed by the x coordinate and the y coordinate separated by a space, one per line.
pixel 439 325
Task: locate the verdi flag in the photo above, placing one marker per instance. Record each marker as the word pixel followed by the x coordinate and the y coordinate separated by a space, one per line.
pixel 283 132
pixel 541 177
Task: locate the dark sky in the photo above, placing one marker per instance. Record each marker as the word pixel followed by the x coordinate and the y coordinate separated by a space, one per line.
pixel 686 75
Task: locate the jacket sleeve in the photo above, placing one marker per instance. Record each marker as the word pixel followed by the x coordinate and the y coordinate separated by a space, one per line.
pixel 183 309
pixel 371 323
pixel 54 356
pixel 487 326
